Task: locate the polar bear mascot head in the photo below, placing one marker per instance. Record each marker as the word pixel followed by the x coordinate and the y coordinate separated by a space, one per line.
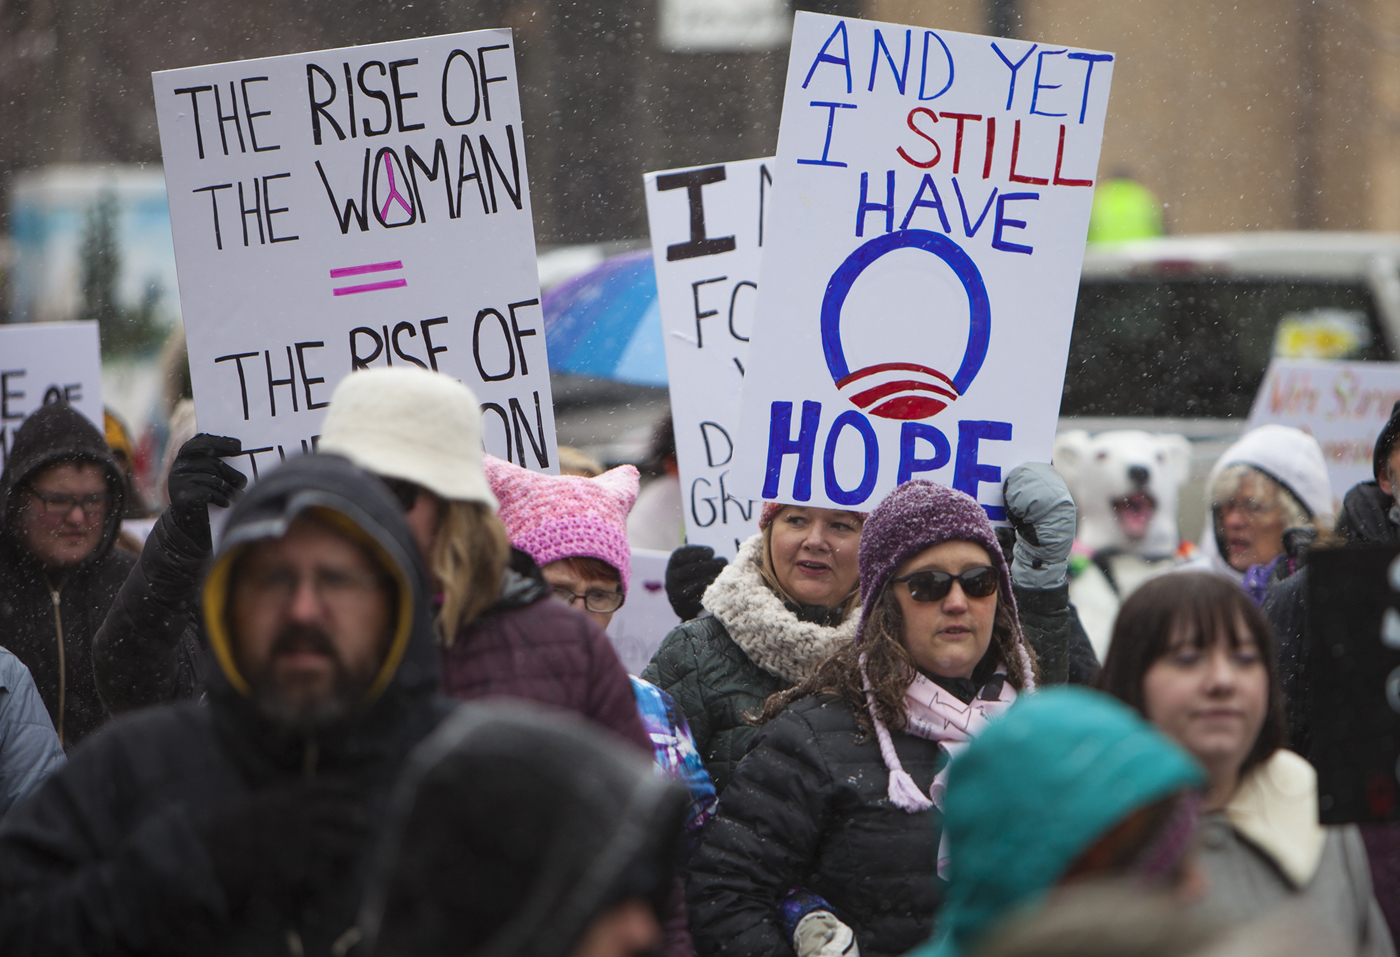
pixel 1126 484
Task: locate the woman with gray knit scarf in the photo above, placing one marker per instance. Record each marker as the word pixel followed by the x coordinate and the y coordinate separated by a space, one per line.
pixel 841 790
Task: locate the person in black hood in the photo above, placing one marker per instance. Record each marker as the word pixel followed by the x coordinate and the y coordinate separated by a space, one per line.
pixel 61 499
pixel 522 831
pixel 244 827
pixel 1369 516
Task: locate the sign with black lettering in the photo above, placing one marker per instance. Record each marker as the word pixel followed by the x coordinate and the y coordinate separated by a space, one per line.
pixel 930 205
pixel 707 228
pixel 1352 661
pixel 349 209
pixel 44 362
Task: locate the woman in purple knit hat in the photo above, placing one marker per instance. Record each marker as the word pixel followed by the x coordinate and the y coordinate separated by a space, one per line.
pixel 841 791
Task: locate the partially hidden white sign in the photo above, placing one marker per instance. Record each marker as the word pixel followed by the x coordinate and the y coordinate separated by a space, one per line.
pixel 351 209
pixel 44 362
pixel 707 233
pixel 930 207
pixel 1344 405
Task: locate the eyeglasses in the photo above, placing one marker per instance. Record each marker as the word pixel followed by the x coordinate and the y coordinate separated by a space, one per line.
pixel 279 585
pixel 976 582
pixel 1251 507
pixel 595 599
pixel 60 504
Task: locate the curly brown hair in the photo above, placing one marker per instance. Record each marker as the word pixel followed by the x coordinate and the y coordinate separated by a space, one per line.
pixel 891 668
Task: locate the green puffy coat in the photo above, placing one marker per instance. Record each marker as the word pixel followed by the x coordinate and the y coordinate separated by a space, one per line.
pixel 722 667
pixel 716 685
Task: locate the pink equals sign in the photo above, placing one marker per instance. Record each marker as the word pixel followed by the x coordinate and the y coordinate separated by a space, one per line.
pixel 369 286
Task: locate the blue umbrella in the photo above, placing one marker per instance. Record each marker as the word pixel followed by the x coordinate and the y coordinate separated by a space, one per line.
pixel 606 323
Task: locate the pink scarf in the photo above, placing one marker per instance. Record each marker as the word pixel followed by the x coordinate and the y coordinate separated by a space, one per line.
pixel 935 715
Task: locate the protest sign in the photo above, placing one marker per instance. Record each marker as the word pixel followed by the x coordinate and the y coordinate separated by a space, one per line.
pixel 43 362
pixel 1353 682
pixel 707 239
pixel 637 628
pixel 351 209
pixel 1344 405
pixel 930 206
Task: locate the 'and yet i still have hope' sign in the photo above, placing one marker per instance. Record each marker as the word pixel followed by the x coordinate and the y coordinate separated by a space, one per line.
pixel 351 209
pixel 930 205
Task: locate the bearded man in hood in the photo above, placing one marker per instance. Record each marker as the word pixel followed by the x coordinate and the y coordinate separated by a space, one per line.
pixel 245 827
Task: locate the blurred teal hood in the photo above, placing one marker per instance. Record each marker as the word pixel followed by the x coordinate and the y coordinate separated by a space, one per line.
pixel 1033 792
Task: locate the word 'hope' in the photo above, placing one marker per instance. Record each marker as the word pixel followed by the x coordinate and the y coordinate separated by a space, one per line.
pixel 968 472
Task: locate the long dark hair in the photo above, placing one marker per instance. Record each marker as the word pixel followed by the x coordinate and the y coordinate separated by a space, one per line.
pixel 1204 606
pixel 890 667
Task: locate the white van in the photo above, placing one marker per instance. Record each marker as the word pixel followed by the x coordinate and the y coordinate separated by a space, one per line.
pixel 1174 334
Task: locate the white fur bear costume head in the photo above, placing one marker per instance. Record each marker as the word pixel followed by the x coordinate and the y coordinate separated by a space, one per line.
pixel 1125 484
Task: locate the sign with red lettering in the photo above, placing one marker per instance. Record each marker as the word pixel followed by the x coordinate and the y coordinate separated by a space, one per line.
pixel 349 209
pixel 1344 405
pixel 930 206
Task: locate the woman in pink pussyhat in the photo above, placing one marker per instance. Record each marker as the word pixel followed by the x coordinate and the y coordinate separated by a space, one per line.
pixel 575 528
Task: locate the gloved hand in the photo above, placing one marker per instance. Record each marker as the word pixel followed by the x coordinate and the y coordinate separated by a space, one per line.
pixel 1039 507
pixel 820 934
pixel 689 572
pixel 284 841
pixel 198 479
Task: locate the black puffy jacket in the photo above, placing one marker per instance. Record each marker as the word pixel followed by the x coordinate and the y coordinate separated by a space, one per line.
pixel 107 856
pixel 151 647
pixel 808 808
pixel 1364 521
pixel 48 618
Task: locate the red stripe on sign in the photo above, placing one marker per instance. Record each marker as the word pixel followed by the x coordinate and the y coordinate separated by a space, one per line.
pixel 865 398
pixel 891 367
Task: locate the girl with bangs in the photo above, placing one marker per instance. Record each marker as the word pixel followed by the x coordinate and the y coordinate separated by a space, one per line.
pixel 1195 657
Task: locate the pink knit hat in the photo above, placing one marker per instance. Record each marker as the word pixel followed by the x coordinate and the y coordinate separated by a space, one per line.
pixel 550 517
pixel 771 510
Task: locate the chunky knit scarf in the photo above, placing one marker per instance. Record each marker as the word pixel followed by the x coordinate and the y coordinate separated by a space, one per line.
pixel 772 636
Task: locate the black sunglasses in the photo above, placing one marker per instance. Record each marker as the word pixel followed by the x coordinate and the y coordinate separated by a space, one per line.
pixel 976 582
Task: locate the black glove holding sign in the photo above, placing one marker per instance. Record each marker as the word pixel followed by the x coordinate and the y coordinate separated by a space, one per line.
pixel 689 572
pixel 284 842
pixel 199 479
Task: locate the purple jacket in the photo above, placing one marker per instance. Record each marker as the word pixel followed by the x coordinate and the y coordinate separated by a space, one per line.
pixel 527 646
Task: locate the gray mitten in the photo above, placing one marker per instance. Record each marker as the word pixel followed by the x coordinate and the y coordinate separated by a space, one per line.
pixel 1039 507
